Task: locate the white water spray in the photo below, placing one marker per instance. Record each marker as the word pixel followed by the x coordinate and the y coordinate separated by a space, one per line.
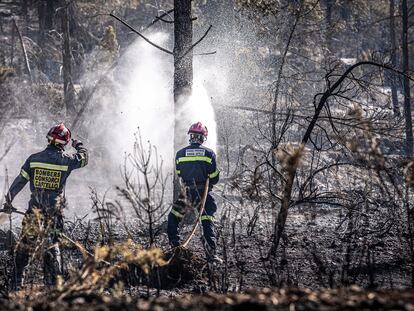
pixel 199 108
pixel 144 99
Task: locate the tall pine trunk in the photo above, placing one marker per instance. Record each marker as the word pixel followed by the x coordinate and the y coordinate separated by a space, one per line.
pixel 406 81
pixel 183 64
pixel 393 78
pixel 68 88
pixel 46 13
pixel 183 72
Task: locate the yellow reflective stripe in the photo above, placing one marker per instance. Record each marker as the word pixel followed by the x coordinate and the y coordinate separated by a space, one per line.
pixel 176 214
pixel 214 174
pixel 49 166
pixel 25 174
pixel 191 159
pixel 207 217
pixel 178 172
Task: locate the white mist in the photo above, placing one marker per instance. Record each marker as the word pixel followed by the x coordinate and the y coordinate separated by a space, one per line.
pixel 144 99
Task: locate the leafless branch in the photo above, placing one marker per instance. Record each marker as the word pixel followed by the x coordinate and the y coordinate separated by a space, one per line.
pixel 142 36
pixel 207 53
pixel 158 18
pixel 197 42
pixel 26 60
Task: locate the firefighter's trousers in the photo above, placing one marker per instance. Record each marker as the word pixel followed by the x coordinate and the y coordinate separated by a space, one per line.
pixel 39 236
pixel 177 213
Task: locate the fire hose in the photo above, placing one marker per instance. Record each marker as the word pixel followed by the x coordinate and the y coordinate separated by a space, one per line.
pixel 195 226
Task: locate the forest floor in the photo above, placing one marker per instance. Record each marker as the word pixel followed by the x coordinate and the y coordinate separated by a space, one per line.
pixel 300 276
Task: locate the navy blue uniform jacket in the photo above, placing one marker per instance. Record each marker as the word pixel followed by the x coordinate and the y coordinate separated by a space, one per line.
pixel 47 172
pixel 194 164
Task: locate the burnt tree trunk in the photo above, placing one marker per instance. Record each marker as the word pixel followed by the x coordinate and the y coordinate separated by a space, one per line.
pixel 278 81
pixel 46 12
pixel 329 23
pixel 25 14
pixel 393 60
pixel 406 81
pixel 13 31
pixel 183 71
pixel 183 64
pixel 282 214
pixel 68 88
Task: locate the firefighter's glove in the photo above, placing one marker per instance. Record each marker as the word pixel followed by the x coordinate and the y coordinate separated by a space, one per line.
pixel 7 208
pixel 76 144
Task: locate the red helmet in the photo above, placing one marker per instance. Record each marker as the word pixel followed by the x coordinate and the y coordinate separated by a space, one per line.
pixel 198 128
pixel 58 135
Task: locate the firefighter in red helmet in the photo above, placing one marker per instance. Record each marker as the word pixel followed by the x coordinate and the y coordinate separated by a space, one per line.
pixel 46 171
pixel 194 165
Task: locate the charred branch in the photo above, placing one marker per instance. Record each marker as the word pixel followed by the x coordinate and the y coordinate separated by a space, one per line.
pixel 198 42
pixel 161 17
pixel 141 35
pixel 26 60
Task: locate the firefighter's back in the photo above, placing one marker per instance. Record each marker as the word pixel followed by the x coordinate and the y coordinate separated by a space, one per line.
pixel 194 162
pixel 48 171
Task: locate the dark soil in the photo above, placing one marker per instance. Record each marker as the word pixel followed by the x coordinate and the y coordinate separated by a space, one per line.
pixel 353 298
